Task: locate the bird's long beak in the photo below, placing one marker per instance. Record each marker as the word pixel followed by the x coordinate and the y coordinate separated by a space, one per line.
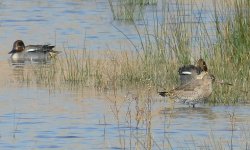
pixel 223 82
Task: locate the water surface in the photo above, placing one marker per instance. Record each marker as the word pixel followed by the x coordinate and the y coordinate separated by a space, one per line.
pixel 39 116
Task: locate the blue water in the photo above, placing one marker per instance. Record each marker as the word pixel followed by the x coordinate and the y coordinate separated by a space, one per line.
pixel 64 23
pixel 86 24
pixel 38 117
pixel 34 116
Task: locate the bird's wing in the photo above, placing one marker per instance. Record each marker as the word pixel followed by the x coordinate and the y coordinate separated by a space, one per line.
pixel 190 86
pixel 40 48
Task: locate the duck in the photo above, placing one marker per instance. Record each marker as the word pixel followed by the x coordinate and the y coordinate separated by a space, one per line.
pixel 190 72
pixel 193 92
pixel 31 52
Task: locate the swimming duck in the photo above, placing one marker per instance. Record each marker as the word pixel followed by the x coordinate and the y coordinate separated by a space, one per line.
pixel 31 52
pixel 195 91
pixel 189 72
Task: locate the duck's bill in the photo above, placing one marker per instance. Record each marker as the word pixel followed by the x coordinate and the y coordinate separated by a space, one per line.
pixel 12 51
pixel 223 82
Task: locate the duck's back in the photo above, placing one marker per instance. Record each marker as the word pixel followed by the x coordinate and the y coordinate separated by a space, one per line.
pixel 39 48
pixel 188 73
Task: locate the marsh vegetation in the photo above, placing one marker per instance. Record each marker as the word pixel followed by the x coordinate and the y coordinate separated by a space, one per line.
pixel 164 46
pixel 107 98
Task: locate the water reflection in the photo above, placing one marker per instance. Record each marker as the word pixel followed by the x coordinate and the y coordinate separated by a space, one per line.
pixel 18 63
pixel 33 117
pixel 73 117
pixel 184 112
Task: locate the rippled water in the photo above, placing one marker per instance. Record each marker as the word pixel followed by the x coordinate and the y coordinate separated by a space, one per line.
pixel 34 118
pixel 64 23
pixel 39 117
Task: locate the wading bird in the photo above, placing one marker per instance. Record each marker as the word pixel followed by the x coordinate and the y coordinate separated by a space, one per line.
pixel 195 91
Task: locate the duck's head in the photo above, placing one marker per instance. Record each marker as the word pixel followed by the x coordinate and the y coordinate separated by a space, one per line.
pixel 18 46
pixel 202 64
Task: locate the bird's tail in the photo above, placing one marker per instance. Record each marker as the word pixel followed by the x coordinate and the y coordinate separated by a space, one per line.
pixel 54 53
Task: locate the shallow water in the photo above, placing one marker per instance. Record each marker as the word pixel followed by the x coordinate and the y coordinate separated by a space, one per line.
pixel 35 116
pixel 81 24
pixel 67 24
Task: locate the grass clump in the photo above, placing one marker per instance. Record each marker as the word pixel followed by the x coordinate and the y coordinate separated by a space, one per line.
pixel 163 47
pixel 116 70
pixel 231 54
pixel 171 42
pixel 75 67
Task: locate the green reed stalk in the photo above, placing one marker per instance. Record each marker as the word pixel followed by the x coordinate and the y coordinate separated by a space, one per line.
pixel 164 47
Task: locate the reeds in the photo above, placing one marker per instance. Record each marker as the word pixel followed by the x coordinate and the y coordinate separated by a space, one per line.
pixel 135 117
pixel 162 49
pixel 129 10
pixel 231 54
